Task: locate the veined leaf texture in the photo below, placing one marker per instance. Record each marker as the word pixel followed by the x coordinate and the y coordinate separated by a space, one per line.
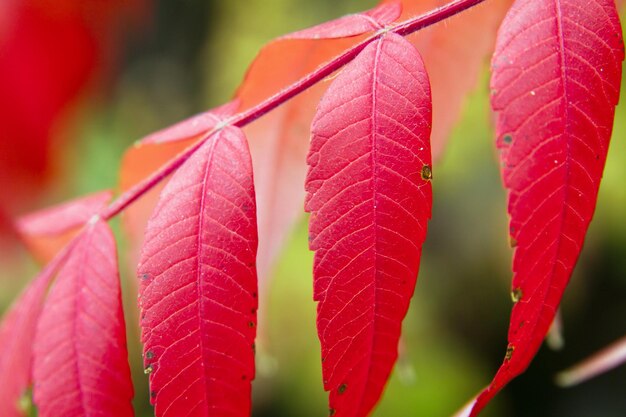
pixel 369 194
pixel 556 76
pixel 198 284
pixel 80 365
pixel 555 82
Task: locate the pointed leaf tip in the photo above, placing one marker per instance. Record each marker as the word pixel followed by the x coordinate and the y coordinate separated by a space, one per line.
pixel 554 97
pixel 369 207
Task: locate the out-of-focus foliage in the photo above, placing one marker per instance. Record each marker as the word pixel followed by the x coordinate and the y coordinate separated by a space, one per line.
pixel 192 57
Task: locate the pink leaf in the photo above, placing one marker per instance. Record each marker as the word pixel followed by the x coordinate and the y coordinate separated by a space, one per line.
pixel 556 79
pixel 603 361
pixel 17 334
pixel 198 292
pixel 80 357
pixel 353 24
pixel 370 197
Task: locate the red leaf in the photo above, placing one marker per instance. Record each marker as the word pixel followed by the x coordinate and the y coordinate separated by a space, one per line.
pixel 80 357
pixel 198 292
pixel 556 80
pixel 352 24
pixel 17 333
pixel 370 198
pixel 42 77
pixel 47 231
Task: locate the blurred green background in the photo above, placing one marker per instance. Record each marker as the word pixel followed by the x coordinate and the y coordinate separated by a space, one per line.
pixel 192 57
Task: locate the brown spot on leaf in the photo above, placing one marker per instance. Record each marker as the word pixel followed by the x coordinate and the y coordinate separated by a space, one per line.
pixel 427 173
pixel 509 352
pixel 342 388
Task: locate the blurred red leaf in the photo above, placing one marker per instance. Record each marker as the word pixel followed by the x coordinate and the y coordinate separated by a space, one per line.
pixel 47 231
pixel 17 334
pixel 370 197
pixel 198 289
pixel 555 97
pixel 50 52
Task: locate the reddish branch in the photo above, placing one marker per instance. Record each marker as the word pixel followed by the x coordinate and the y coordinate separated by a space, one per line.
pixel 242 119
